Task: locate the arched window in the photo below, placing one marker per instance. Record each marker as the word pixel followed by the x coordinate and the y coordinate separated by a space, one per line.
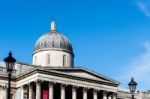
pixel 64 60
pixel 47 59
pixel 35 60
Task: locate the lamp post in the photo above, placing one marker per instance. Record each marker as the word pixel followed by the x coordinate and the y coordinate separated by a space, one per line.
pixel 10 62
pixel 132 86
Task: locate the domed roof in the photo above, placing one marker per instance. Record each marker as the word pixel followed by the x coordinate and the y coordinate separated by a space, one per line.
pixel 53 40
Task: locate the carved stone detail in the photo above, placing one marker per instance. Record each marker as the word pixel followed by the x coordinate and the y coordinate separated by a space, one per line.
pixel 67 81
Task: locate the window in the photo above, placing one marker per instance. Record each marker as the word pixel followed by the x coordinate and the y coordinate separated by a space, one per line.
pixel 64 60
pixel 47 59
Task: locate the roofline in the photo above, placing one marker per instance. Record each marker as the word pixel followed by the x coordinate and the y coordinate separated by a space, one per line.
pixel 57 73
pixel 54 49
pixel 86 70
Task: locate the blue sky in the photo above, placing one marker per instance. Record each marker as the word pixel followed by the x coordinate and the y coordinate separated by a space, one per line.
pixel 111 37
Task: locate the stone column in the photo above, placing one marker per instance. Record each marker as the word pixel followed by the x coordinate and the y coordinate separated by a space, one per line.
pixel 4 92
pixel 51 89
pixel 63 91
pixel 38 90
pixel 104 95
pixel 30 91
pixel 114 96
pixel 109 97
pixel 22 92
pixel 74 92
pixel 14 93
pixel 84 93
pixel 95 94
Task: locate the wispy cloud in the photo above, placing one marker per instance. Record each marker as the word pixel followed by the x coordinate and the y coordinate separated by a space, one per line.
pixel 139 68
pixel 144 6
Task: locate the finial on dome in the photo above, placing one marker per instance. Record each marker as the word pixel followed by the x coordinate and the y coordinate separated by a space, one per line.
pixel 53 25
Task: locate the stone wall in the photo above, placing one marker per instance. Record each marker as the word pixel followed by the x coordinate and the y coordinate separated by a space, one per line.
pixel 137 95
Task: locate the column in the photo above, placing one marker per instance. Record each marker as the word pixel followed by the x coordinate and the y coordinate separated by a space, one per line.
pixel 63 92
pixel 38 90
pixel 114 96
pixel 4 92
pixel 74 92
pixel 22 92
pixel 51 89
pixel 104 95
pixel 109 97
pixel 30 91
pixel 95 94
pixel 14 93
pixel 84 93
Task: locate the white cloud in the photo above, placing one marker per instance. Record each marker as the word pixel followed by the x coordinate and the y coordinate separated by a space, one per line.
pixel 139 68
pixel 144 6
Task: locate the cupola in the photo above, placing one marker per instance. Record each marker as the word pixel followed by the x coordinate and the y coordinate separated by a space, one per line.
pixel 53 49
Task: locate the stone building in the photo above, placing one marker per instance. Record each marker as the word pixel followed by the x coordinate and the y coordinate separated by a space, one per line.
pixel 138 95
pixel 53 74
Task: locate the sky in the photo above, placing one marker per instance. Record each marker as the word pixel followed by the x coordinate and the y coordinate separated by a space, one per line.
pixel 110 37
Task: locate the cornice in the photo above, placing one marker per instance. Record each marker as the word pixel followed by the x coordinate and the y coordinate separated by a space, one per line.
pixel 54 49
pixel 60 74
pixel 79 69
pixel 66 81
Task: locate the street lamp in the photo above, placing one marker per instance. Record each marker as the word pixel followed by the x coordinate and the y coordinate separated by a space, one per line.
pixel 10 62
pixel 132 86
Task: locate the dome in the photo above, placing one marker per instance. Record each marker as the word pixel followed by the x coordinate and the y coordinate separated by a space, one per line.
pixel 53 40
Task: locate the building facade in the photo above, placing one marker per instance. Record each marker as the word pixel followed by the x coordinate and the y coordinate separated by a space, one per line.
pixel 138 95
pixel 53 74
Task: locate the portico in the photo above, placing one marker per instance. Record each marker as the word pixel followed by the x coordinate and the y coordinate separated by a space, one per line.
pixel 49 85
pixel 39 94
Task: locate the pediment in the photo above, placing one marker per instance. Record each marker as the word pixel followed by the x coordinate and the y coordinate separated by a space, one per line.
pixel 85 73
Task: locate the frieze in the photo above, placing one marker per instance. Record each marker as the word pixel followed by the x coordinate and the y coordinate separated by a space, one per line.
pixel 66 81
